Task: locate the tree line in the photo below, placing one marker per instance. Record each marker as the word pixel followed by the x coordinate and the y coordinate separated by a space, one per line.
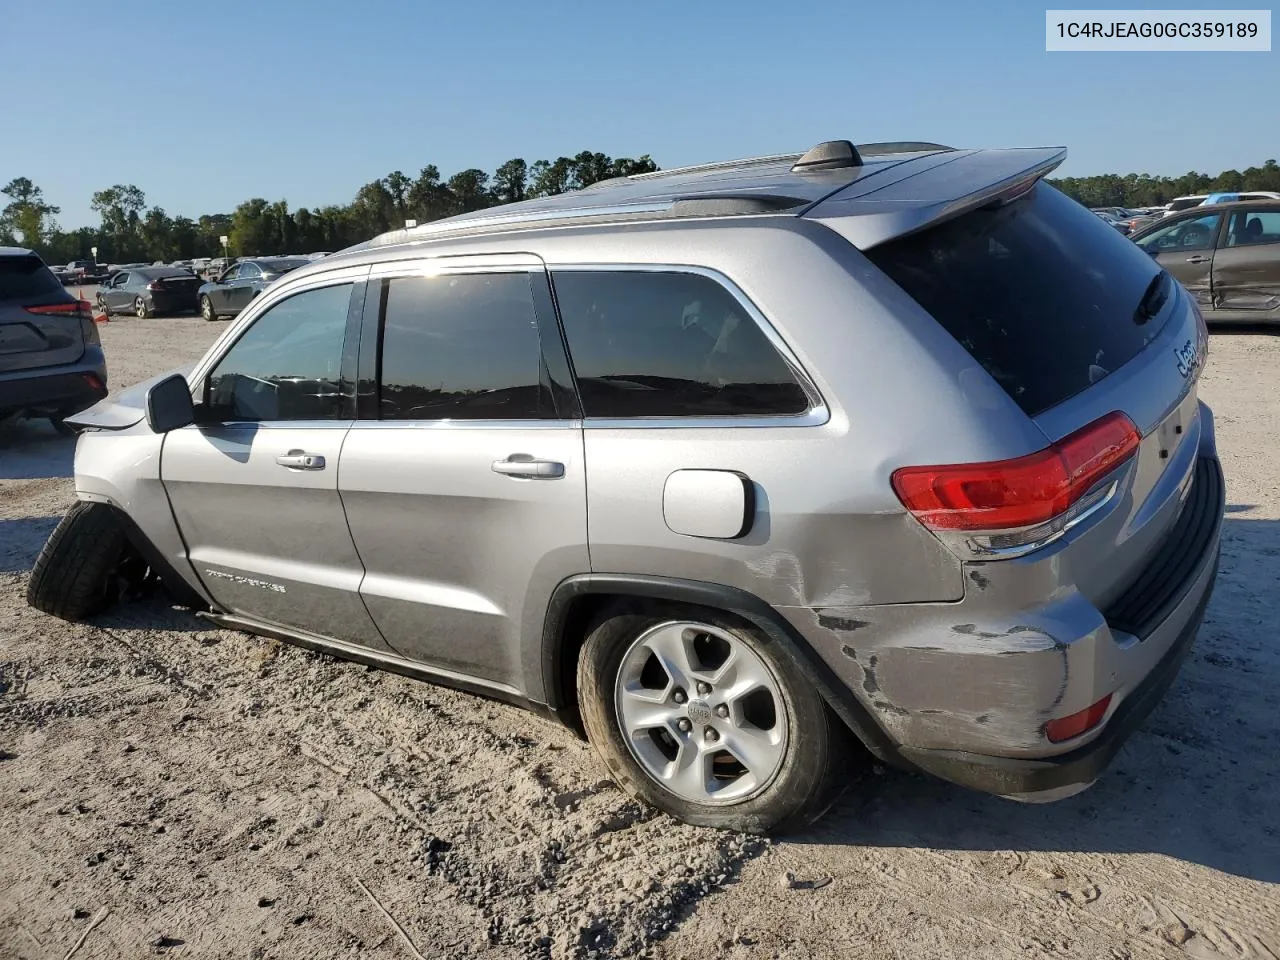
pixel 1144 190
pixel 131 231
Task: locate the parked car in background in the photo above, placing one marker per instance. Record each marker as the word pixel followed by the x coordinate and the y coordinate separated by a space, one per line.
pixel 87 271
pixel 146 291
pixel 64 274
pixel 1109 219
pixel 51 360
pixel 233 290
pixel 1227 256
pixel 894 442
pixel 1178 204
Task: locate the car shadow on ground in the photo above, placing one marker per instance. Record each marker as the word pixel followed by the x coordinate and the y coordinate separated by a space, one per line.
pixel 1199 781
pixel 21 540
pixel 34 450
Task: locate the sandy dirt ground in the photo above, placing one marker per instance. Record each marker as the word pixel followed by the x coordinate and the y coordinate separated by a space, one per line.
pixel 170 789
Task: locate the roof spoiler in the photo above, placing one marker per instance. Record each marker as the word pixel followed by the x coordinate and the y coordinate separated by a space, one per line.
pixel 932 190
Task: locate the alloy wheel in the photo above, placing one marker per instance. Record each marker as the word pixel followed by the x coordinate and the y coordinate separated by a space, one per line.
pixel 701 712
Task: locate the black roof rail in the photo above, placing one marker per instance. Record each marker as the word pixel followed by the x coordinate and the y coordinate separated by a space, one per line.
pixel 828 155
pixel 899 146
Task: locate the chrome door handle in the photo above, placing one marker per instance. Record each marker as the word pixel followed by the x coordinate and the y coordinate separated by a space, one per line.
pixel 1197 259
pixel 523 465
pixel 298 460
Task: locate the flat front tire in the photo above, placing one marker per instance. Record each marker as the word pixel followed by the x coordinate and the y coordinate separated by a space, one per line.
pixel 75 575
pixel 704 718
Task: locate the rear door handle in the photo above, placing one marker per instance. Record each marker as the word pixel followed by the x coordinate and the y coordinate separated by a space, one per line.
pixel 523 465
pixel 1197 259
pixel 300 460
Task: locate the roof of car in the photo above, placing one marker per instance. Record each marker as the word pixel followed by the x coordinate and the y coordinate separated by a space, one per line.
pixel 15 252
pixel 868 194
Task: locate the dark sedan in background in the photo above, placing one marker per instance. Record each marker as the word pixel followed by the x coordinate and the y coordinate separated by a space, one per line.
pixel 1227 256
pixel 145 291
pixel 231 292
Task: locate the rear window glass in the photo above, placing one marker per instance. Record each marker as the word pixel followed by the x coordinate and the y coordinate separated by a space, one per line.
pixel 25 277
pixel 1041 292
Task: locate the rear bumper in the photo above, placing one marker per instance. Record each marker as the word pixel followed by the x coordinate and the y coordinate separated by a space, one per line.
pixel 1022 778
pixel 1163 607
pixel 165 302
pixel 56 391
pixel 968 702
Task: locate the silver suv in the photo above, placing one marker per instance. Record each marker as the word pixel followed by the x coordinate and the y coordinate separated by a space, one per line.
pixel 733 466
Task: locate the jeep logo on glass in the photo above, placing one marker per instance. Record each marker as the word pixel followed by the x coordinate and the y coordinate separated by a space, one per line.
pixel 1187 359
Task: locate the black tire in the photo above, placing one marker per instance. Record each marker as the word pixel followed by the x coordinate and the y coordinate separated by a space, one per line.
pixel 74 576
pixel 64 428
pixel 206 309
pixel 140 308
pixel 102 305
pixel 813 771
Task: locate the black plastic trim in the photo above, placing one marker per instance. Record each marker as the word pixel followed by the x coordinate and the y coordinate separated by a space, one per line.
pixel 1163 582
pixel 178 587
pixel 719 597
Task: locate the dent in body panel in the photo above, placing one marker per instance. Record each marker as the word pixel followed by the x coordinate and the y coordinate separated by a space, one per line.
pixel 984 685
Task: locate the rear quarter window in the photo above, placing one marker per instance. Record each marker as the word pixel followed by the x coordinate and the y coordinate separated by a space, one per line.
pixel 22 277
pixel 1041 292
pixel 670 344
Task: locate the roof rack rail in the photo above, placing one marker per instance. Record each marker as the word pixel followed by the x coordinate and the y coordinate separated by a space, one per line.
pixel 828 155
pixel 900 146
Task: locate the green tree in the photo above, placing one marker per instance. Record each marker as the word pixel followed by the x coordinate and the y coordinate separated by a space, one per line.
pixel 548 178
pixel 428 198
pixel 27 216
pixel 253 230
pixel 511 181
pixel 398 185
pixel 120 208
pixel 470 190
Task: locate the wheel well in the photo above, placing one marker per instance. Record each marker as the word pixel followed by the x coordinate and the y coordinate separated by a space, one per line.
pixel 579 603
pixel 577 620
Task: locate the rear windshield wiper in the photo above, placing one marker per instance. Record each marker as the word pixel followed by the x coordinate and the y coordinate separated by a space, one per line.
pixel 1154 299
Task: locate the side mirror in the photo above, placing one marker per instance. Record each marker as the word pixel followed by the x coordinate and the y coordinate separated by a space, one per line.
pixel 169 404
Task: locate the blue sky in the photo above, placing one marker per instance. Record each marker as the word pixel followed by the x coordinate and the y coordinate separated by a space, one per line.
pixel 206 105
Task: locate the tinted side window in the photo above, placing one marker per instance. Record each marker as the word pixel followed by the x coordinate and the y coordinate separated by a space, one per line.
pixel 461 347
pixel 288 364
pixel 1254 226
pixel 670 345
pixel 1189 234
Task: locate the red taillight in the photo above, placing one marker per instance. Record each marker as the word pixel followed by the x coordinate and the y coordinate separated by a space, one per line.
pixel 1029 490
pixel 93 382
pixel 1064 728
pixel 80 308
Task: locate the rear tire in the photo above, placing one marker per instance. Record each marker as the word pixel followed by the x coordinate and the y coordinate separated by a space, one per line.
pixel 63 427
pixel 206 309
pixel 74 576
pixel 797 748
pixel 140 309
